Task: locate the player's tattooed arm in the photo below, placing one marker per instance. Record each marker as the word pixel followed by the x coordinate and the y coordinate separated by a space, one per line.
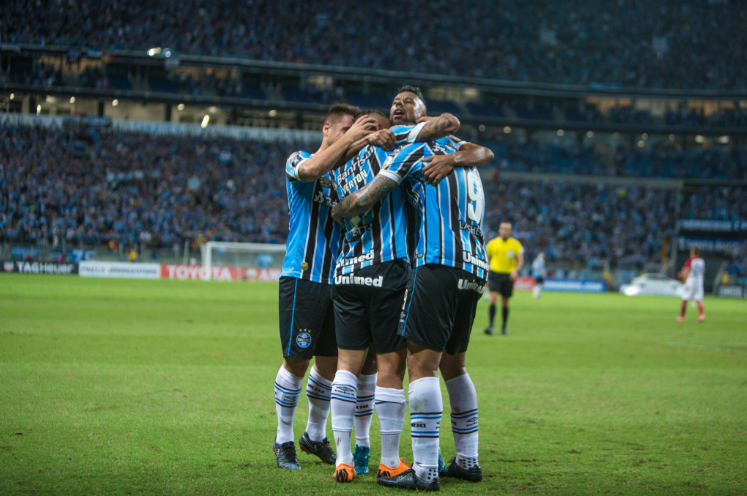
pixel 362 200
pixel 324 161
pixel 437 167
pixel 437 127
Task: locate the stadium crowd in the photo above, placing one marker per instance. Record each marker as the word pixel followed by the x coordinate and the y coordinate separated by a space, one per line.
pixel 655 159
pixel 584 225
pixel 671 43
pixel 91 185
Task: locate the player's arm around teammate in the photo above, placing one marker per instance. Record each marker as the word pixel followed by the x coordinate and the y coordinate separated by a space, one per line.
pixel 356 132
pixel 437 167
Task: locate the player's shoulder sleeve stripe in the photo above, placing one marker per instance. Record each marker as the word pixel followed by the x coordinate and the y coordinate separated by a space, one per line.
pixel 402 160
pixel 404 134
pixel 293 162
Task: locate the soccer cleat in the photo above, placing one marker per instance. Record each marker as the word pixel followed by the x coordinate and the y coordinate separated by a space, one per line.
pixel 408 480
pixel 318 448
pixel 387 471
pixel 503 331
pixel 285 455
pixel 680 318
pixel 455 470
pixel 701 318
pixel 489 331
pixel 441 463
pixel 344 473
pixel 360 456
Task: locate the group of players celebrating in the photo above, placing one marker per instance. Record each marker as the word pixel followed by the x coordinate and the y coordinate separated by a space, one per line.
pixel 384 267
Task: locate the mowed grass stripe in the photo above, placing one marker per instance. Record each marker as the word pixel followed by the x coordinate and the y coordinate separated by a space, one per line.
pixel 165 387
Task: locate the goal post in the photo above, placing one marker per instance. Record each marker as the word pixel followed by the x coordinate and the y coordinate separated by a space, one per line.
pixel 236 254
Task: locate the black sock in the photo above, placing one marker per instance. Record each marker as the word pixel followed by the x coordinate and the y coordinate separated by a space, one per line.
pixel 491 314
pixel 505 316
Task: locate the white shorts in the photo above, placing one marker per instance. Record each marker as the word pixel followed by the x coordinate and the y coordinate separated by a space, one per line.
pixel 692 290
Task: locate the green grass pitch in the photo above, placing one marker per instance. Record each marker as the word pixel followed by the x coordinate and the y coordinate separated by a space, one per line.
pixel 165 387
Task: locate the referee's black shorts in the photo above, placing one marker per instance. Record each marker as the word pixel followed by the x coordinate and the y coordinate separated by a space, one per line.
pixel 501 283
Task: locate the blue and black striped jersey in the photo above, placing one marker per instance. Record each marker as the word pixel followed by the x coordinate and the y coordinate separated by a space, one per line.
pixel 451 213
pixel 314 237
pixel 379 235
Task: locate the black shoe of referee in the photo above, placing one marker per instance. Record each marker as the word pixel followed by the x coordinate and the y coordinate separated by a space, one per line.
pixel 489 331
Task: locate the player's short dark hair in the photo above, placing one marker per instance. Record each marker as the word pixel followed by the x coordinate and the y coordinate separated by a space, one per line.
pixel 412 89
pixel 339 109
pixel 384 119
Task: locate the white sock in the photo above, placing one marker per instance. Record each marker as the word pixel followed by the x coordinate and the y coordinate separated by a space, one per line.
pixel 318 390
pixel 536 290
pixel 344 393
pixel 426 407
pixel 287 391
pixel 364 408
pixel 390 408
pixel 464 418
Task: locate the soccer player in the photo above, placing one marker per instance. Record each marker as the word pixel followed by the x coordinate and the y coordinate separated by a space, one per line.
pixel 539 273
pixel 305 308
pixel 371 275
pixel 451 271
pixel 506 260
pixel 692 272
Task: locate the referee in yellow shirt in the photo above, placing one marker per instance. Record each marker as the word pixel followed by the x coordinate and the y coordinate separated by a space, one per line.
pixel 506 256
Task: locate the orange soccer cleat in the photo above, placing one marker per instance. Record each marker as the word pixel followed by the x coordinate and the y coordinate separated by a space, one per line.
pixel 344 473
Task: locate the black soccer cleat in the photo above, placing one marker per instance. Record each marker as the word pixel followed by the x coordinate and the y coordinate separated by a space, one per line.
pixel 285 455
pixel 455 470
pixel 318 448
pixel 504 331
pixel 408 480
pixel 489 331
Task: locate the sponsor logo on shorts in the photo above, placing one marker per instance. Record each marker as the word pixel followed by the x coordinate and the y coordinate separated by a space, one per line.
pixel 303 340
pixel 375 282
pixel 470 259
pixel 467 285
pixel 366 257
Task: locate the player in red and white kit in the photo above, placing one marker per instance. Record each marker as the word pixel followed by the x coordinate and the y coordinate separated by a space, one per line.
pixel 693 272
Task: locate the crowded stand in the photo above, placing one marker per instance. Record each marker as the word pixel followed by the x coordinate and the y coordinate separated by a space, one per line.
pixel 653 159
pixel 87 185
pixel 585 225
pixel 629 43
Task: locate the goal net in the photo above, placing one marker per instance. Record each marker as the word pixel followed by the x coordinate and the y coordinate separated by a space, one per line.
pixel 244 255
